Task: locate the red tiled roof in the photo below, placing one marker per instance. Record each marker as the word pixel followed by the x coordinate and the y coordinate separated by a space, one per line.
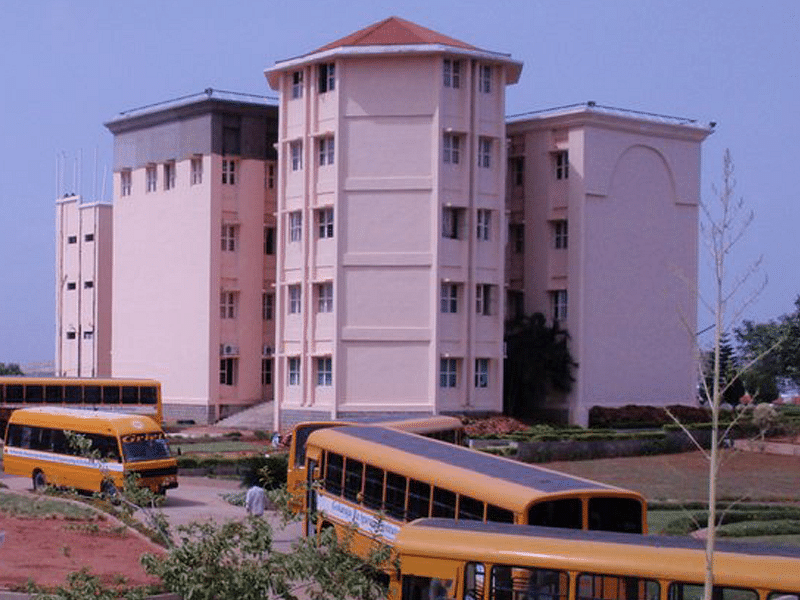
pixel 395 31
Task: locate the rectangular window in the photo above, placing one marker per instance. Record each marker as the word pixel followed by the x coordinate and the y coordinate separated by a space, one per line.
pixel 70 335
pixel 516 170
pixel 470 509
pixel 294 370
pixel 295 296
pixel 516 235
pixel 72 239
pixel 87 285
pixel 297 85
pixel 71 285
pixel 267 306
pixel 169 175
pixel 481 372
pixel 448 372
pixel 151 176
pixel 562 164
pixel 266 371
pixel 451 149
pixel 373 488
pixel 452 222
pixel 451 73
pixel 483 299
pixel 228 304
pixel 295 226
pixel 269 240
pixel 325 222
pixel 296 151
pixel 449 298
pixel 484 152
pixel 333 473
pixel 197 170
pixel 560 235
pixel 326 149
pixel 600 587
pixel 444 503
pixel 228 239
pixel 327 77
pixel 558 303
pixel 542 583
pixel 325 297
pixel 419 500
pixel 485 79
pixel 125 182
pixel 228 370
pixel 229 172
pixel 353 479
pixel 484 223
pixel 89 237
pixel 270 176
pixel 395 504
pixel 88 335
pixel 325 371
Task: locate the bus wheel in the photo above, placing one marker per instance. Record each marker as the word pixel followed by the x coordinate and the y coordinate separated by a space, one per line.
pixel 39 482
pixel 109 490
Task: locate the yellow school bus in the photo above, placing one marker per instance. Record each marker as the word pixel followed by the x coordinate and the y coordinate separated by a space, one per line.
pixel 37 446
pixel 375 479
pixel 442 559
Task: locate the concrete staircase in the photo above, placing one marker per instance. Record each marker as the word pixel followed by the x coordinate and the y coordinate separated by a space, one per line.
pixel 256 417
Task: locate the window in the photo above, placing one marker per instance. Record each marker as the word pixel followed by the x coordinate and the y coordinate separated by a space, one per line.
pixel 448 372
pixel 515 304
pixel 71 285
pixel 325 297
pixel 267 306
pixel 87 285
pixel 481 372
pixel 516 234
pixel 483 299
pixel 449 298
pixel 151 176
pixel 516 170
pixel 295 295
pixel 88 335
pixel 516 582
pixel 327 77
pixel 326 147
pixel 228 370
pixel 227 305
pixel 324 371
pixel 125 182
pixel 598 587
pixel 325 222
pixel 452 222
pixel 228 172
pixel 560 235
pixel 484 152
pixel 72 239
pixel 451 149
pixel 485 79
pixel 269 240
pixel 266 371
pixel 295 226
pixel 89 237
pixel 228 239
pixel 484 223
pixel 197 170
pixel 294 370
pixel 296 151
pixel 297 85
pixel 270 176
pixel 452 73
pixel 562 164
pixel 558 303
pixel 70 335
pixel 169 175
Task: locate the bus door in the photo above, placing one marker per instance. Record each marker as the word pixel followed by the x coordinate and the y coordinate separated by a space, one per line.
pixel 311 497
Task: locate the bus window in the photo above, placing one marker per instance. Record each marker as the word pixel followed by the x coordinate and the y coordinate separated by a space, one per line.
pixel 610 587
pixel 615 514
pixel 54 393
pixel 144 447
pixel 498 515
pixel 130 394
pixel 520 583
pixel 470 509
pixel 693 591
pixel 353 476
pixel 34 393
pixel 444 503
pixel 473 581
pixel 425 588
pixel 566 513
pixel 333 473
pixel 111 395
pixel 373 488
pixel 72 394
pixel 395 496
pixel 783 596
pixel 148 395
pixel 419 499
pixel 91 394
pixel 13 393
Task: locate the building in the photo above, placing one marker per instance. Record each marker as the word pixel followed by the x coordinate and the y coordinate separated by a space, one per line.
pixel 603 227
pixel 193 256
pixel 391 226
pixel 83 287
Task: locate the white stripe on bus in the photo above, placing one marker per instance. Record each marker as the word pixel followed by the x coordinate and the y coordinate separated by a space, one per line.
pixel 64 459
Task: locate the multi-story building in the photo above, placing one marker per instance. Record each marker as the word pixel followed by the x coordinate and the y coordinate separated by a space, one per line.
pixel 391 225
pixel 194 250
pixel 603 234
pixel 83 287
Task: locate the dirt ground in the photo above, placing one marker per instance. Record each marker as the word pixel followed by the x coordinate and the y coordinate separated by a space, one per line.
pixel 47 550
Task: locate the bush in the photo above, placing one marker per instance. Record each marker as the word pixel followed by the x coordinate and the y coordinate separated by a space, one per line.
pixel 636 416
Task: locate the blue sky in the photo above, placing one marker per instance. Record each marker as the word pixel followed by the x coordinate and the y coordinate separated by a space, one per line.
pixel 71 65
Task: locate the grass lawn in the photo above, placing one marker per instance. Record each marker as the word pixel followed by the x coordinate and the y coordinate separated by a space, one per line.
pixel 213 447
pixel 17 505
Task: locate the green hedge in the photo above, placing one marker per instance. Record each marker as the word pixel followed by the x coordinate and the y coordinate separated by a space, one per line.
pixel 273 466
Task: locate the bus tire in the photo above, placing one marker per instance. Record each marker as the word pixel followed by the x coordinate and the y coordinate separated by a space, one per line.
pixel 110 491
pixel 39 481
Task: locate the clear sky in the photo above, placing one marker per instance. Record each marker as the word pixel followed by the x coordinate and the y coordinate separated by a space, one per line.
pixel 71 65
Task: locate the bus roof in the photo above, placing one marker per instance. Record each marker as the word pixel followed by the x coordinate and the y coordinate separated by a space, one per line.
pixel 456 467
pixel 28 380
pixel 673 557
pixel 85 420
pixel 423 425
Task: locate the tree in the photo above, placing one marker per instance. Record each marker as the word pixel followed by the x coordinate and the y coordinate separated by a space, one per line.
pixel 730 381
pixel 538 362
pixel 10 369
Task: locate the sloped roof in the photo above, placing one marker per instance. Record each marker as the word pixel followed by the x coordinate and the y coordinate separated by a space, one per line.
pixel 395 31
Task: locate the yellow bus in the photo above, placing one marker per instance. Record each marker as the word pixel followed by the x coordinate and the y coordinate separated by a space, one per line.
pixel 441 558
pixel 36 446
pixel 439 427
pixel 141 396
pixel 377 478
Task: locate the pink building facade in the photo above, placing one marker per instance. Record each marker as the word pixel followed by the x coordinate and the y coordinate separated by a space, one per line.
pixel 391 226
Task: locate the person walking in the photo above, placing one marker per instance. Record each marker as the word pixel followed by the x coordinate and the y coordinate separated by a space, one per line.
pixel 255 500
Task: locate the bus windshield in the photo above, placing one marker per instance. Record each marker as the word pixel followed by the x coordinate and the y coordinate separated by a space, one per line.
pixel 141 447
